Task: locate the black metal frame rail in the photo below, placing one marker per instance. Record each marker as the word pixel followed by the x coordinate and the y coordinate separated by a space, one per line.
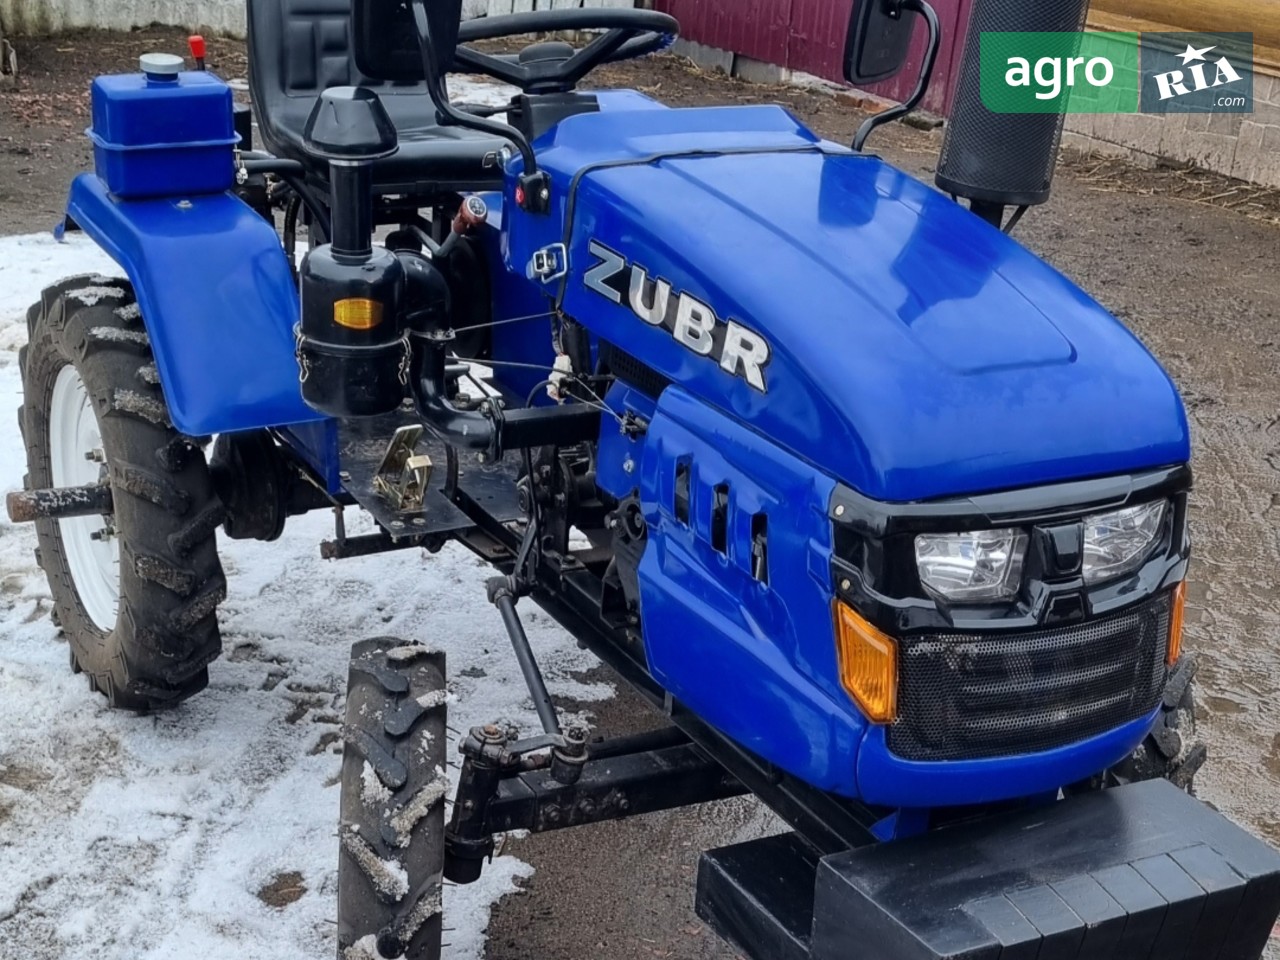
pixel 570 593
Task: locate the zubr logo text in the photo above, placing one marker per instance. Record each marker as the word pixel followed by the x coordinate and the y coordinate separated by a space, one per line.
pixel 1196 77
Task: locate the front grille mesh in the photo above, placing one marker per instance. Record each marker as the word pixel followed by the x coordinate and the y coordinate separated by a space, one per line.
pixel 963 697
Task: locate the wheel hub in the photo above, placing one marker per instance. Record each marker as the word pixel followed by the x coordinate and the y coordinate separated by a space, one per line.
pixel 76 458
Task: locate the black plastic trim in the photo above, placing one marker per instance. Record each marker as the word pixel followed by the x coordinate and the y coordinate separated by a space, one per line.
pixel 1027 505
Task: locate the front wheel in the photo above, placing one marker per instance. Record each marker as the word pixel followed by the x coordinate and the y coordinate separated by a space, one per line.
pixel 391 866
pixel 1170 751
pixel 135 591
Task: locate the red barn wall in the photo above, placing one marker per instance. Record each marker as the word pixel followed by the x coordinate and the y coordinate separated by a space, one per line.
pixel 809 35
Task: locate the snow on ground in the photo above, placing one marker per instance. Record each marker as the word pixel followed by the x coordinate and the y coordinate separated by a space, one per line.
pixel 151 837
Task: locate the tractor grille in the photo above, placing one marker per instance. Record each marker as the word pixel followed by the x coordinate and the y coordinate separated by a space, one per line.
pixel 963 697
pixel 631 371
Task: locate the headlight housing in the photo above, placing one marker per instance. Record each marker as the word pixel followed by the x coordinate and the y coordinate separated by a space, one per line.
pixel 981 566
pixel 1119 542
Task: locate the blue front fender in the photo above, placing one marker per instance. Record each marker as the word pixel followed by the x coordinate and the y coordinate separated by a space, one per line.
pixel 217 299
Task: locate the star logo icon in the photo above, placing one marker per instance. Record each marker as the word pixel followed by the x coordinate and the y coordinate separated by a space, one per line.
pixel 1193 54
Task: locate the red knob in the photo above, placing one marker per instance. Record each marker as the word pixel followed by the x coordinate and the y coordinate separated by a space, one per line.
pixel 196 43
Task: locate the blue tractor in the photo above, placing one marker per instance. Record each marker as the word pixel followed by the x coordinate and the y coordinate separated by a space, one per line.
pixel 885 515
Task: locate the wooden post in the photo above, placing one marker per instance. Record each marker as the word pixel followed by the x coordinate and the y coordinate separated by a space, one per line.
pixel 1259 17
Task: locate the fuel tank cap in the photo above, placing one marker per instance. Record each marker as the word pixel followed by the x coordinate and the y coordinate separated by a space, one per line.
pixel 161 66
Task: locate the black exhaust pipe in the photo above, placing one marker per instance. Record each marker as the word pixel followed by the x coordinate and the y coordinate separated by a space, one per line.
pixel 999 160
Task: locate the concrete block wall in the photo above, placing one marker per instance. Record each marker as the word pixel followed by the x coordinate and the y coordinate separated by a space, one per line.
pixel 739 65
pixel 52 16
pixel 1242 145
pixel 1246 146
pixel 215 16
pixel 493 8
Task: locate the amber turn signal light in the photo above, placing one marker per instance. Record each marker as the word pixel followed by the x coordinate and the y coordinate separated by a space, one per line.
pixel 868 665
pixel 1175 622
pixel 357 313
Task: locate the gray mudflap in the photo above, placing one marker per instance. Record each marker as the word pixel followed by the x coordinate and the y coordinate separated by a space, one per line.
pixel 1139 871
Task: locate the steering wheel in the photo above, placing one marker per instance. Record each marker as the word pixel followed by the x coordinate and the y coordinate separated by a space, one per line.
pixel 556 67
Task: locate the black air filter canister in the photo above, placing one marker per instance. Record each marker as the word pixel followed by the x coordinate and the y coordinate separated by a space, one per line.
pixel 1004 158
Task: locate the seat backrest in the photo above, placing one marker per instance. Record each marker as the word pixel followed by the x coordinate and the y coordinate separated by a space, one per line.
pixel 301 47
pixel 385 37
pixel 297 49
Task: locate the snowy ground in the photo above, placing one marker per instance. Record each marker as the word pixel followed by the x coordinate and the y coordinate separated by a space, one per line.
pixel 152 837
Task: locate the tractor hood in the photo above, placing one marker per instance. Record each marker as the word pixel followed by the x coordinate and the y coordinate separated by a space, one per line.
pixel 845 310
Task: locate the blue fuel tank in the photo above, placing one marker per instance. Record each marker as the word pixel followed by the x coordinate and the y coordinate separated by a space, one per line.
pixel 163 132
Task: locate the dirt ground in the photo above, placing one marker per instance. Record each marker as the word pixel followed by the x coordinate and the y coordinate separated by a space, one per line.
pixel 1186 259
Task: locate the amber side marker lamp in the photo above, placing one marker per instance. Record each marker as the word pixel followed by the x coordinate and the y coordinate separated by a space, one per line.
pixel 868 665
pixel 1175 622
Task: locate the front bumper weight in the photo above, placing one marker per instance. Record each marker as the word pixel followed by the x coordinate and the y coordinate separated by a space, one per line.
pixel 759 896
pixel 1138 871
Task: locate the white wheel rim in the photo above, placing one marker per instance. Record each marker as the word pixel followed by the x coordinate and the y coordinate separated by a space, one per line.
pixel 94 564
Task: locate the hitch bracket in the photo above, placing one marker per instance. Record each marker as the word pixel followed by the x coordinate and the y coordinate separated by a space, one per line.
pixel 403 476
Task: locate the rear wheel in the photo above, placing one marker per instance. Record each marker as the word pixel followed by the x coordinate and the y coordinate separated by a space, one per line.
pixel 135 591
pixel 391 866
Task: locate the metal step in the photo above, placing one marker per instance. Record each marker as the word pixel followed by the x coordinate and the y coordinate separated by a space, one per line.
pixel 1135 872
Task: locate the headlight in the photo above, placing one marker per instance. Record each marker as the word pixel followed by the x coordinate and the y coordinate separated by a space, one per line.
pixel 1120 542
pixel 972 567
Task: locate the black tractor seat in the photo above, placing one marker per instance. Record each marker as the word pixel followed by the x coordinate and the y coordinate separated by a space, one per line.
pixel 298 48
